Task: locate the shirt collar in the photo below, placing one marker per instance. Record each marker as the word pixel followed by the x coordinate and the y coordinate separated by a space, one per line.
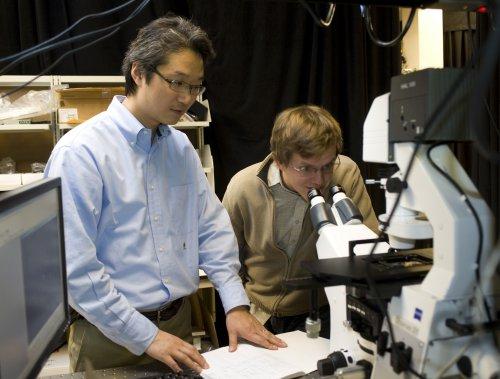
pixel 273 175
pixel 129 126
pixel 274 179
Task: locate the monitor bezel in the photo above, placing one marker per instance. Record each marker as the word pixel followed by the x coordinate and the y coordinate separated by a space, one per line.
pixel 12 199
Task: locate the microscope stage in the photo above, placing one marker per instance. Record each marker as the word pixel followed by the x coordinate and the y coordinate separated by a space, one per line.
pixel 406 266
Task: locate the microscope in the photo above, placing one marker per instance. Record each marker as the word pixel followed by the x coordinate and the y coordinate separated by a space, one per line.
pixel 440 305
pixel 338 227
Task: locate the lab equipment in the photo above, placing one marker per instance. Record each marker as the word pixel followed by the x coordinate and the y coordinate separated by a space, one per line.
pixel 33 295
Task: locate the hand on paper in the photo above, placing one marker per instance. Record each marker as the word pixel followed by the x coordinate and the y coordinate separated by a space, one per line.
pixel 240 323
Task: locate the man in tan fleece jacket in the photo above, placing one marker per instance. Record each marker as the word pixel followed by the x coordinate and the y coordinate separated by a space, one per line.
pixel 268 206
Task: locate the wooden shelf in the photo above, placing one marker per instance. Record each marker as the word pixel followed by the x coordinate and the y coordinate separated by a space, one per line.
pixel 23 116
pixel 191 124
pixel 110 79
pixel 11 181
pixel 17 80
pixel 23 128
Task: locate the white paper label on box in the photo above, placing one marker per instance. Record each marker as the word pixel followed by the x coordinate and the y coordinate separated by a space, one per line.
pixel 68 114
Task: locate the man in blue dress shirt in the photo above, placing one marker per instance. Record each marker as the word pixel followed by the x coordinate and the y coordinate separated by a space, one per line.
pixel 140 217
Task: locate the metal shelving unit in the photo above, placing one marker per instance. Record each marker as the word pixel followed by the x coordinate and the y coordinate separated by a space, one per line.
pixel 57 129
pixel 21 128
pixel 30 139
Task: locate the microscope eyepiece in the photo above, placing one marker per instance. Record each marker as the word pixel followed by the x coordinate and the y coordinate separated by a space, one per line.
pixel 335 190
pixel 313 192
pixel 321 212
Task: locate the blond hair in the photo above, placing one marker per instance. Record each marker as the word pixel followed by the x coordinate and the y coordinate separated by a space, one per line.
pixel 307 130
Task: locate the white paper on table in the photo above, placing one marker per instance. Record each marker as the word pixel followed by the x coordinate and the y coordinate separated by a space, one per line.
pixel 249 361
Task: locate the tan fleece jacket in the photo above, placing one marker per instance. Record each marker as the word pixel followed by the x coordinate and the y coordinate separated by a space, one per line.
pixel 265 266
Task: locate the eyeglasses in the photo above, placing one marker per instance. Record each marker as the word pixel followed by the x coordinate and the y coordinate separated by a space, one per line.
pixel 181 87
pixel 307 171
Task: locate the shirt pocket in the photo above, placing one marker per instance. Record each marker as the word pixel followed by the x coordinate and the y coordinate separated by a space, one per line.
pixel 185 247
pixel 182 209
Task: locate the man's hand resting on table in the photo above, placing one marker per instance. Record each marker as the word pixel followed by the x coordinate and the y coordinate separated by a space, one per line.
pixel 173 351
pixel 240 323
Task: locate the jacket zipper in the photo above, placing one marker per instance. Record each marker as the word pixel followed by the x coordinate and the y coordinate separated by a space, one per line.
pixel 282 294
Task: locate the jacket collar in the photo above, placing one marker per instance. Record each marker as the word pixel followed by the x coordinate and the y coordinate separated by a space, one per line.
pixel 263 169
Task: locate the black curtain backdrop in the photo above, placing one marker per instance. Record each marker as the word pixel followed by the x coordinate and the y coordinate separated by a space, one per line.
pixel 24 23
pixel 461 33
pixel 270 56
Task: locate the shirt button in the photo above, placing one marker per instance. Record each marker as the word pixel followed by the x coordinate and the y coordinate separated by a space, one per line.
pixel 165 281
pixel 151 187
pixel 156 218
pixel 162 249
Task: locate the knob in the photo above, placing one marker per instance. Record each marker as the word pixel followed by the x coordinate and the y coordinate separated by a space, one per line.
pixel 395 185
pixel 333 362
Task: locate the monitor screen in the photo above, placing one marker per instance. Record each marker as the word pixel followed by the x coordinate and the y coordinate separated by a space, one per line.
pixel 34 309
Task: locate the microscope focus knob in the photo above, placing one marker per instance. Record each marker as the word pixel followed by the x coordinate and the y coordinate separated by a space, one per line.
pixel 329 365
pixel 395 185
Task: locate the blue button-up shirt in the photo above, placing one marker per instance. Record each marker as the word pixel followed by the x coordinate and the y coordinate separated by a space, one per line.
pixel 140 219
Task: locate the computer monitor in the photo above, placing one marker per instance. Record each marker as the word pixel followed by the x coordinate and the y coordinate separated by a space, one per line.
pixel 33 299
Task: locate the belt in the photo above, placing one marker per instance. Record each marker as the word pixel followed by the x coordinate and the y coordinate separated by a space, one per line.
pixel 165 313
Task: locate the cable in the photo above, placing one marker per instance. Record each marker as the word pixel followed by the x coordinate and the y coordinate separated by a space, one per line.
pixel 133 14
pixel 372 285
pixel 86 17
pixel 492 266
pixel 468 203
pixel 60 59
pixel 454 360
pixel 487 67
pixel 320 22
pixel 478 142
pixel 365 13
pixel 492 119
pixel 436 114
pixel 492 19
pixel 474 49
pixel 73 39
pixel 438 110
pixel 464 198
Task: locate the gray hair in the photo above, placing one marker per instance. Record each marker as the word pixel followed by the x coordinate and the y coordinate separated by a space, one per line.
pixel 157 40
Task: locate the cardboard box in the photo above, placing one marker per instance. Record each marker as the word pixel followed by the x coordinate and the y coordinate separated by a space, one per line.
pixel 79 104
